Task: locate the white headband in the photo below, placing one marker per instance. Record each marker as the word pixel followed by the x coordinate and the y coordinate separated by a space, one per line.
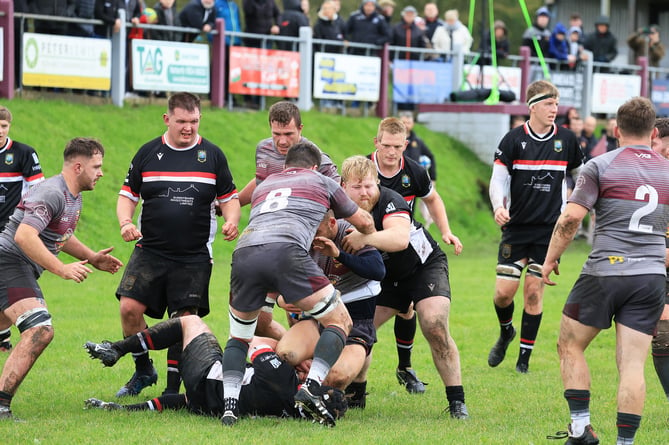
pixel 539 97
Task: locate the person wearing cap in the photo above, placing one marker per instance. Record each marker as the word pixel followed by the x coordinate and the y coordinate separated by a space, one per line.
pixel 406 33
pixel 527 192
pixel 452 35
pixel 367 25
pixel 501 43
pixel 645 42
pixel 602 42
pixel 539 31
pixel 386 8
pixel 576 53
pixel 558 47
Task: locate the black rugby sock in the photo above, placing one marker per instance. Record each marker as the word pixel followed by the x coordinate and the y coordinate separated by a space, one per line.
pixel 160 336
pixel 405 332
pixel 528 335
pixel 661 354
pixel 173 375
pixel 505 317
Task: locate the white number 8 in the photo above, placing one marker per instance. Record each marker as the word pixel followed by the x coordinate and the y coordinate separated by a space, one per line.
pixel 276 200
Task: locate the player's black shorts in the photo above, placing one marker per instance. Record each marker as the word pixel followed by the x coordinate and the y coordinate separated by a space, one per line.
pixel 275 267
pixel 635 301
pixel 203 357
pixel 524 242
pixel 17 282
pixel 429 280
pixel 362 333
pixel 161 283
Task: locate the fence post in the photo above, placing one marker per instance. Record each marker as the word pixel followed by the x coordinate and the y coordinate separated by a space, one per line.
pixel 382 105
pixel 588 69
pixel 119 43
pixel 304 101
pixel 7 24
pixel 525 72
pixel 645 75
pixel 218 66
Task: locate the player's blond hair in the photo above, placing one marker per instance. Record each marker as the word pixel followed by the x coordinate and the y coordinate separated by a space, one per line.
pixel 391 125
pixel 357 168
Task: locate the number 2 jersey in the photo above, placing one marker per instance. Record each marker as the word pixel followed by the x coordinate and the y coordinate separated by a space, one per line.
pixel 629 191
pixel 178 187
pixel 538 166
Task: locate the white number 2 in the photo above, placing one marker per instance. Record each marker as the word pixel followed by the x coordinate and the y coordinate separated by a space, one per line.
pixel 635 220
pixel 277 199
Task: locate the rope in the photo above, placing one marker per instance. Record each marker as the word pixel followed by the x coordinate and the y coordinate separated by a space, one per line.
pixel 494 88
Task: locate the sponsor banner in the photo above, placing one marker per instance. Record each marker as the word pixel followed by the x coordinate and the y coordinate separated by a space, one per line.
pixel 159 65
pixel 610 91
pixel 264 72
pixel 659 94
pixel 416 81
pixel 508 78
pixel 66 62
pixel 346 77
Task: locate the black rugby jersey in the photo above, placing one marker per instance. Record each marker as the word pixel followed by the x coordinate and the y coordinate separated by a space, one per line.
pixel 411 180
pixel 19 169
pixel 400 265
pixel 538 167
pixel 178 188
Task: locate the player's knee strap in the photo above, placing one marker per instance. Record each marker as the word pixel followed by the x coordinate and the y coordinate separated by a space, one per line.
pixel 33 318
pixel 535 269
pixel 509 271
pixel 661 338
pixel 325 305
pixel 242 329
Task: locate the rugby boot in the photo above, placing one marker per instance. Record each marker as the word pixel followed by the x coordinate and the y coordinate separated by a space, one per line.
pixel 313 405
pixel 231 411
pixel 105 352
pixel 458 410
pixel 498 351
pixel 407 378
pixel 99 404
pixel 587 438
pixel 138 382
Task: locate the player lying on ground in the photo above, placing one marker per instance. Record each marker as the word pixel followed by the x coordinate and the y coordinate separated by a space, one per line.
pixel 269 382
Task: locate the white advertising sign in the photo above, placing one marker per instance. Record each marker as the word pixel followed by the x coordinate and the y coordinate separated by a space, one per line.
pixel 346 77
pixel 170 66
pixel 66 62
pixel 610 91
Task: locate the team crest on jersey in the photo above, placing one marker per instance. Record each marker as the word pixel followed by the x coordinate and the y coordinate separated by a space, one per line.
pixel 202 156
pixel 9 158
pixel 558 146
pixel 406 182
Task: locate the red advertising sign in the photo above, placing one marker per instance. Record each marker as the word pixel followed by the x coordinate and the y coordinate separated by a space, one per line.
pixel 264 72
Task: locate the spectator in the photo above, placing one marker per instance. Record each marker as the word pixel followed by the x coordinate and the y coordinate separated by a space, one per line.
pixel 261 17
pixel 305 7
pixel 290 21
pixel 645 42
pixel 609 134
pixel 501 44
pixel 575 21
pixel 107 11
pixel 387 9
pixel 589 126
pixel 407 34
pixel 576 47
pixel 367 26
pixel 199 14
pixel 57 8
pixel 432 20
pixel 82 9
pixel 330 26
pixel 452 35
pixel 571 114
pixel 602 42
pixel 166 11
pixel 558 48
pixel 539 31
pixel 229 12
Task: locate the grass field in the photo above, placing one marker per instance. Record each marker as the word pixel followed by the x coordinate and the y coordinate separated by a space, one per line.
pixel 505 407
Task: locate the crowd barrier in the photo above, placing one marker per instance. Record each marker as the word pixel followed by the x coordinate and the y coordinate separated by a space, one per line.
pixel 306 70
